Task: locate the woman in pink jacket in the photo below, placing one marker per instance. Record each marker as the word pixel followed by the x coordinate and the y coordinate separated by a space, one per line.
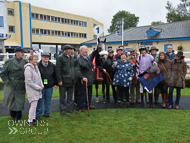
pixel 34 86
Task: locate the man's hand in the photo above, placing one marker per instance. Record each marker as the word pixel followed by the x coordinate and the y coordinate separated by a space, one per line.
pixel 104 70
pixel 138 77
pixel 85 79
pixel 55 87
pixel 133 64
pixel 96 48
pixel 130 79
pixel 41 88
pixel 60 83
pixel 115 64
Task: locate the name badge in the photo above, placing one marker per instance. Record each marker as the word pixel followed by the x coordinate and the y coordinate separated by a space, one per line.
pixel 45 81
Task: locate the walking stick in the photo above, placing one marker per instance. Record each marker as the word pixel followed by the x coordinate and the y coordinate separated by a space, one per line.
pixel 87 99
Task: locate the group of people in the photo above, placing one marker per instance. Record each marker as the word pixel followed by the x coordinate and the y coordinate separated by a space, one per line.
pixel 125 73
pixel 73 73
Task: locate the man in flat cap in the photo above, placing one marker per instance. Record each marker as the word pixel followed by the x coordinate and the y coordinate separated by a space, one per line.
pixel 65 73
pixel 12 75
pixel 135 83
pixel 47 71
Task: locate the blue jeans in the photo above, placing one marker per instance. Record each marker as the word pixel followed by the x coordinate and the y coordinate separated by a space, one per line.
pixel 82 96
pixel 46 99
pixel 177 96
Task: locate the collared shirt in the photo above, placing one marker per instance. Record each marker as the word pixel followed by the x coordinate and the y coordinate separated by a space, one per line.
pixel 44 64
pixel 144 63
pixel 85 58
pixel 68 57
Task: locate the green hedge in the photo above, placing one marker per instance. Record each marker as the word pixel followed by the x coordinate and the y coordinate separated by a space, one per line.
pixel 187 83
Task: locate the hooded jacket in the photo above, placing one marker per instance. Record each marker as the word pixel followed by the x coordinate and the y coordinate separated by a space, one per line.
pixel 33 82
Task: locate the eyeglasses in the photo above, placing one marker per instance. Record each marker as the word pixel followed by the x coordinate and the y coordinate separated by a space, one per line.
pixel 170 48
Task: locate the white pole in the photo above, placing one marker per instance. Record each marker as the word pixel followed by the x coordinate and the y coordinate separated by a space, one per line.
pixel 122 32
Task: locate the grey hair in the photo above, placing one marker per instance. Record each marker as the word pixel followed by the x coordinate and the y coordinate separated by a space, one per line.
pixel 81 47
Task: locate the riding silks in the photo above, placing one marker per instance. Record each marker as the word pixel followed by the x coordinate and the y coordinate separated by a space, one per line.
pixel 149 81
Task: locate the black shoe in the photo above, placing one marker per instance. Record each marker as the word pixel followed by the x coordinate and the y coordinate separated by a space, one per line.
pixel 31 124
pixel 20 120
pixel 47 116
pixel 35 120
pixel 142 104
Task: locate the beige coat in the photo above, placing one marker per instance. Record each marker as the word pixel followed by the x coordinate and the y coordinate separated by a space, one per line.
pixel 33 82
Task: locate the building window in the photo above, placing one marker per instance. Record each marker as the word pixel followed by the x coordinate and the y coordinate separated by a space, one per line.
pixel 53 18
pixel 1 21
pixel 48 17
pixel 37 16
pixel 94 25
pixel 41 17
pixel 41 31
pixel 37 31
pixel 10 12
pixel 33 15
pixel 110 47
pixel 45 17
pixel 33 31
pixel 147 43
pixel 52 32
pixel 11 29
pixel 95 36
pixel 125 44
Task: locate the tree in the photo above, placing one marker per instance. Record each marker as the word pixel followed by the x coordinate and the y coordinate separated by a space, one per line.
pixel 180 13
pixel 130 20
pixel 156 22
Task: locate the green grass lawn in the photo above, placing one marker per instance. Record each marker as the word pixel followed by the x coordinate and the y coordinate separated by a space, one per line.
pixel 111 125
pixel 184 92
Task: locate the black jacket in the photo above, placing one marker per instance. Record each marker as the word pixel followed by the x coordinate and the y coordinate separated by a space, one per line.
pixel 48 73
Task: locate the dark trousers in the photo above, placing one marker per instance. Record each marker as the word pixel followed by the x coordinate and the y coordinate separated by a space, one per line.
pixel 124 90
pixel 16 114
pixel 163 88
pixel 82 96
pixel 177 96
pixel 66 105
pixel 108 93
pixel 76 92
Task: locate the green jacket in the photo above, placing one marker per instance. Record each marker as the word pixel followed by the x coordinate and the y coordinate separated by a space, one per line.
pixel 86 68
pixel 12 75
pixel 65 70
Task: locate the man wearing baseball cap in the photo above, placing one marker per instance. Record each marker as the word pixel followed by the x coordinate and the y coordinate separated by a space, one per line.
pixel 12 75
pixel 47 71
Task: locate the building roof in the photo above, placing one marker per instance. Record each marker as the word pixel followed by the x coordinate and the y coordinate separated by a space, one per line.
pixel 166 31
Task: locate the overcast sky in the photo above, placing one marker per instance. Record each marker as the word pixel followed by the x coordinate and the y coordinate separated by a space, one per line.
pixel 103 10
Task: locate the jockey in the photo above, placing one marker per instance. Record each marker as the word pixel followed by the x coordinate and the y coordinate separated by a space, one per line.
pixel 143 63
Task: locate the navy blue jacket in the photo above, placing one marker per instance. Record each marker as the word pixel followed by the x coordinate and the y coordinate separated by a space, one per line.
pixel 172 57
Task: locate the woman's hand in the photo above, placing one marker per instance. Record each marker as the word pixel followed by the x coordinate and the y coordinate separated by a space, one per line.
pixel 115 64
pixel 41 88
pixel 130 79
pixel 104 70
pixel 55 87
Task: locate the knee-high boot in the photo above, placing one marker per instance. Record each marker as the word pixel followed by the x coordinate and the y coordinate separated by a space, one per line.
pixel 164 99
pixel 142 100
pixel 150 100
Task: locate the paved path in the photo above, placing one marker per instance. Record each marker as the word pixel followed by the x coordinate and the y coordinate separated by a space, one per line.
pixel 184 105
